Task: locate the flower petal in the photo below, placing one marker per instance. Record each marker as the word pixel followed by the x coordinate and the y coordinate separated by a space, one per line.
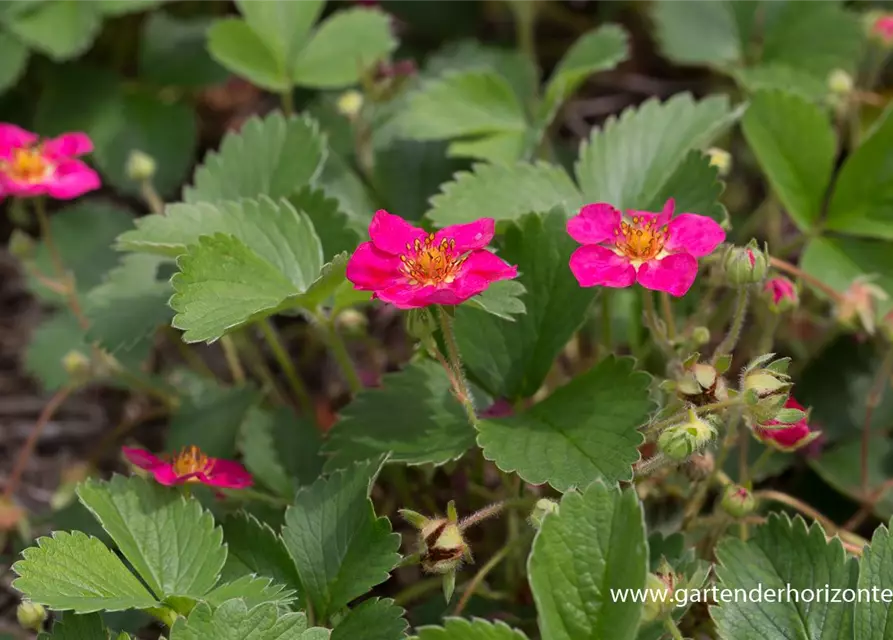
pixel 142 458
pixel 392 233
pixel 659 219
pixel 68 145
pixel 674 274
pixel 227 474
pixel 72 178
pixel 594 265
pixel 371 269
pixel 594 224
pixel 694 234
pixel 20 188
pixel 168 477
pixel 406 296
pixel 474 235
pixel 13 137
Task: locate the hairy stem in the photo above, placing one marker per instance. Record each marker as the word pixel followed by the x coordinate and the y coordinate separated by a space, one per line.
pixel 669 319
pixel 288 368
pixel 654 325
pixel 728 343
pixel 482 573
pixel 670 625
pixel 342 356
pixel 237 371
pixel 455 360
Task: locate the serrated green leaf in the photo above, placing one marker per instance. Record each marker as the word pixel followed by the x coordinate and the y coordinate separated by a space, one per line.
pixel 780 77
pixel 234 621
pixel 502 192
pixel 503 147
pixel 597 50
pixel 474 629
pixel 284 26
pixel 594 544
pixel 698 33
pixel 255 549
pixel 236 46
pixel 795 146
pixel 74 572
pixel 502 299
pixel 342 48
pixel 511 358
pixel 171 542
pixel 14 55
pixel 464 103
pixel 61 29
pixel 252 590
pixel 873 617
pixel 862 202
pixel 584 430
pixel 430 427
pixel 372 619
pixel 331 224
pixel 77 627
pixel 172 51
pixel 780 555
pixel 696 188
pixel 340 547
pixel 209 416
pixel 628 161
pixel 281 449
pixel 129 305
pixel 285 154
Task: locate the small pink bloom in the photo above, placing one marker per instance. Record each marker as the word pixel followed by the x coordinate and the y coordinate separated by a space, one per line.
pixel 781 294
pixel 191 465
pixel 656 249
pixel 29 167
pixel 410 268
pixel 786 437
pixel 883 27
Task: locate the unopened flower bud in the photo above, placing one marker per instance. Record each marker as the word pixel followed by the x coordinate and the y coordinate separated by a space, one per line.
pixel 700 335
pixel 701 384
pixel 840 82
pixel 141 166
pixel 781 294
pixel 31 615
pixel 746 265
pixel 700 466
pixel 21 245
pixel 681 440
pixel 660 589
pixel 721 159
pixel 880 27
pixel 76 364
pixel 766 387
pixel 351 321
pixel 350 103
pixel 859 301
pixel 738 501
pixel 442 545
pixel 543 508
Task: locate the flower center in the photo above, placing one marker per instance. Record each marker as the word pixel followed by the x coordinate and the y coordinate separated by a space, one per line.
pixel 191 460
pixel 426 263
pixel 26 165
pixel 640 241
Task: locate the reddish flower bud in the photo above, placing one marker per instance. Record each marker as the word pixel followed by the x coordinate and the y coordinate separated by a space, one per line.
pixel 781 294
pixel 786 436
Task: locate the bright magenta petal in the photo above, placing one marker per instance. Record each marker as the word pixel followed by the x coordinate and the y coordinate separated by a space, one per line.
pixel 487 265
pixel 392 233
pixel 142 458
pixel 405 296
pixel 68 145
pixel 370 269
pixel 594 224
pixel 71 179
pixel 694 234
pixel 474 235
pixel 21 189
pixel 168 477
pixel 593 266
pixel 227 474
pixel 674 274
pixel 13 137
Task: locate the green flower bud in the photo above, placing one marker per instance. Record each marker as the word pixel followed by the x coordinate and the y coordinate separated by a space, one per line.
pixel 543 507
pixel 746 265
pixel 21 245
pixel 442 545
pixel 700 335
pixel 76 364
pixel 659 596
pixel 738 501
pixel 766 387
pixel 721 159
pixel 140 166
pixel 681 440
pixel 840 82
pixel 350 103
pixel 31 615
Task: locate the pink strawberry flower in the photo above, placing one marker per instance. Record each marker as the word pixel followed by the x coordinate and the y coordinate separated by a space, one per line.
pixel 410 268
pixel 29 167
pixel 786 437
pixel 656 250
pixel 191 465
pixel 781 294
pixel 883 27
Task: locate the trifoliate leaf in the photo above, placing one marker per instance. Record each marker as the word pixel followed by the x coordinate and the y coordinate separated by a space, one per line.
pixel 342 48
pixel 584 430
pixel 784 555
pixel 171 542
pixel 510 358
pixel 474 629
pixel 61 29
pixel 238 48
pixel 795 146
pixel 597 50
pixel 502 299
pixel 281 449
pixel 502 192
pixel 255 549
pixel 284 26
pixel 253 590
pixel 234 621
pixel 74 572
pixel 332 225
pixel 696 188
pixel 431 426
pixel 862 203
pixel 698 33
pixel 274 157
pixel 372 619
pixel 628 161
pixel 873 618
pixel 594 545
pixel 340 547
pixel 77 627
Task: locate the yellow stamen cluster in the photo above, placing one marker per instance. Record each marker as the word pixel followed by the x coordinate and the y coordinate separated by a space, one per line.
pixel 638 241
pixel 192 460
pixel 426 263
pixel 26 165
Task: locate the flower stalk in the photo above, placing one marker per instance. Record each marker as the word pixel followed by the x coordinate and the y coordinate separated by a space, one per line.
pixel 731 339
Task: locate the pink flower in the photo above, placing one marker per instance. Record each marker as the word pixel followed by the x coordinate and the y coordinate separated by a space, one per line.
pixel 31 168
pixel 410 268
pixel 656 250
pixel 883 27
pixel 781 294
pixel 786 437
pixel 191 465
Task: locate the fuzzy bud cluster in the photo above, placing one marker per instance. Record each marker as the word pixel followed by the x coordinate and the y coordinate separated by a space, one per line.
pixel 700 383
pixel 746 265
pixel 766 386
pixel 681 440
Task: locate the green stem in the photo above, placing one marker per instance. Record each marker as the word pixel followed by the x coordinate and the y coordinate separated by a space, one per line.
pixel 288 368
pixel 455 360
pixel 728 343
pixel 668 315
pixel 670 625
pixel 232 359
pixel 525 28
pixel 707 408
pixel 607 313
pixel 416 590
pixel 700 493
pixel 482 573
pixel 150 195
pixel 654 325
pixel 288 102
pixel 339 350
